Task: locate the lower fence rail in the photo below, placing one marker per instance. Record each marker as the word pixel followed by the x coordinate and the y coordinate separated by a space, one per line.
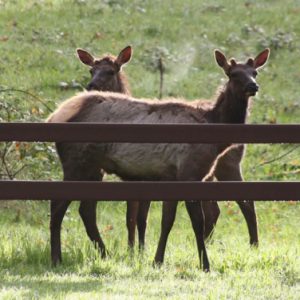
pixel 150 190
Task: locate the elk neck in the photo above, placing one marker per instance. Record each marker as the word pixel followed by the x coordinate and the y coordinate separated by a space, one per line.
pixel 230 107
pixel 122 84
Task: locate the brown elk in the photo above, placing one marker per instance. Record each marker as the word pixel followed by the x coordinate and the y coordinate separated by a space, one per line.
pixel 230 107
pixel 162 162
pixel 107 75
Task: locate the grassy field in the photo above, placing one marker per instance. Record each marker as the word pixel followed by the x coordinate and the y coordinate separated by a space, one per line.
pixel 39 68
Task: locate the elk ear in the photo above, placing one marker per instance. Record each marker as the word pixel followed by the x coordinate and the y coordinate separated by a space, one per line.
pixel 124 56
pixel 261 58
pixel 233 62
pixel 250 62
pixel 85 57
pixel 221 60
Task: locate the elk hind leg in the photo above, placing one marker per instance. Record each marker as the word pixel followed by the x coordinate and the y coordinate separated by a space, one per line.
pixel 211 212
pixel 232 172
pixel 88 213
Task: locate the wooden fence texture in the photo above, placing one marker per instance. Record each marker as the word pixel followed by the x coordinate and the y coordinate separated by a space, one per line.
pixel 149 133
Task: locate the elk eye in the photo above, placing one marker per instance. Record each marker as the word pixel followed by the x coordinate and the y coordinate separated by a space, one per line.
pixel 254 73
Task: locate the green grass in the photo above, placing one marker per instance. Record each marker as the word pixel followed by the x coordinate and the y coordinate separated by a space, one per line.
pixel 37 52
pixel 238 272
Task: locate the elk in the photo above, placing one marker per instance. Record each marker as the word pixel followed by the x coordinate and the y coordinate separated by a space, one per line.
pixel 230 107
pixel 107 75
pixel 148 162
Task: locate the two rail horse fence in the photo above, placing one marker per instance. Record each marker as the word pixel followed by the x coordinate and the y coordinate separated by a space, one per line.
pixel 150 190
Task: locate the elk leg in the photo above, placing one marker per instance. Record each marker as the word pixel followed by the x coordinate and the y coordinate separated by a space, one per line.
pixel 58 209
pixel 248 210
pixel 87 211
pixel 196 215
pixel 232 172
pixel 168 217
pixel 142 222
pixel 211 212
pixel 131 218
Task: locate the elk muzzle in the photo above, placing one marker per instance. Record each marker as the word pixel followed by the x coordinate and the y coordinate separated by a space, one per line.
pixel 252 88
pixel 91 86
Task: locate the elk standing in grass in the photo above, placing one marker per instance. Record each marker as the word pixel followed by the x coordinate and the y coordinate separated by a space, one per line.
pixel 230 107
pixel 106 76
pixel 162 162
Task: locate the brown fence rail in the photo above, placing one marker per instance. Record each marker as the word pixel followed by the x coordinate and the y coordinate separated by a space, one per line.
pixel 149 133
pixel 155 191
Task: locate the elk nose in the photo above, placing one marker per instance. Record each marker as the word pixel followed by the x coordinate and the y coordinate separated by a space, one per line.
pixel 91 86
pixel 252 88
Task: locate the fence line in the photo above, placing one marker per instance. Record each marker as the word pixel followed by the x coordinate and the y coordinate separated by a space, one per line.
pixel 149 133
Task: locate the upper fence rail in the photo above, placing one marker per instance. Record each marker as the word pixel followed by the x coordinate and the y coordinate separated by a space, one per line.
pixel 149 133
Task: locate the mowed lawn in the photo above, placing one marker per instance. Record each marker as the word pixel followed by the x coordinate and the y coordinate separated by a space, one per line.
pixel 39 69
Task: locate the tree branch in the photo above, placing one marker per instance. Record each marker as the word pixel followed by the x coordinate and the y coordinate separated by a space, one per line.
pixel 276 158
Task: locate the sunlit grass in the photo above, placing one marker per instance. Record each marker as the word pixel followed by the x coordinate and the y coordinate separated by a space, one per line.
pixel 270 271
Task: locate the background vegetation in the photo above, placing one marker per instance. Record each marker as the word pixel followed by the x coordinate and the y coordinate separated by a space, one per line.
pixel 39 69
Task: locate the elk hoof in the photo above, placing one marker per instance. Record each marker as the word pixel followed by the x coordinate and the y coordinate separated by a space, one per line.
pixel 157 264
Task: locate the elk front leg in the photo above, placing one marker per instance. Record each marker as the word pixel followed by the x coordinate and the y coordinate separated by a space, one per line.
pixel 58 209
pixel 168 217
pixel 142 222
pixel 196 215
pixel 131 219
